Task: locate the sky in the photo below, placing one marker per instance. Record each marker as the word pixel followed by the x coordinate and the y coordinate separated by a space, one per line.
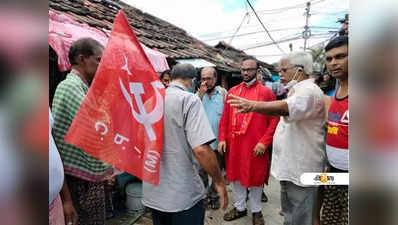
pixel 212 21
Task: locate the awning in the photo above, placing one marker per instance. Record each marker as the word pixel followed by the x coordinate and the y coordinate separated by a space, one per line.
pixel 197 62
pixel 63 31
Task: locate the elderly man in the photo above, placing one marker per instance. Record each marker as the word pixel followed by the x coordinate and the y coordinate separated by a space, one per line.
pixel 178 199
pixel 245 139
pixel 213 98
pixel 85 175
pixel 61 212
pixel 299 141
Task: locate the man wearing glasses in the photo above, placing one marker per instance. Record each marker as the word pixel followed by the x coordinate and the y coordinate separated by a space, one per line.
pixel 299 141
pixel 244 139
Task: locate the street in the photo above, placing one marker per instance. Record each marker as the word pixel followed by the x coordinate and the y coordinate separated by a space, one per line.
pixel 270 209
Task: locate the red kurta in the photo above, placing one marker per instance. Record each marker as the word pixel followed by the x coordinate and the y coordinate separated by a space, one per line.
pixel 242 132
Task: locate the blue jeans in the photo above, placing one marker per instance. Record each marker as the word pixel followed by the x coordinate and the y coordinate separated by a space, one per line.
pixel 192 216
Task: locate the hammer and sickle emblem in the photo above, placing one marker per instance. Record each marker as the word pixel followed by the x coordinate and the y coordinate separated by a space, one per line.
pixel 143 117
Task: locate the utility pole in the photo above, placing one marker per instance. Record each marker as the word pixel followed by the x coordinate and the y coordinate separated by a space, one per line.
pixel 307 31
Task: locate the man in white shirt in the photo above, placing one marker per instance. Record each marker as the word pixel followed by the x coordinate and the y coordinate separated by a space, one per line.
pixel 299 140
pixel 61 212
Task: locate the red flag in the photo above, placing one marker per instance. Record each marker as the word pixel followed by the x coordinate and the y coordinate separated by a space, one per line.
pixel 120 121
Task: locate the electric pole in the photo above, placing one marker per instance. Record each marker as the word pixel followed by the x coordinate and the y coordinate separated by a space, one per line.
pixel 307 31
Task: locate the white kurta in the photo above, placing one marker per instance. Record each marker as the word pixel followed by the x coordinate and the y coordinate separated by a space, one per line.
pixel 299 140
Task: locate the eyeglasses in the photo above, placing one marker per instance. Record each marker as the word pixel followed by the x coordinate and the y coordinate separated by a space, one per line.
pixel 284 70
pixel 248 69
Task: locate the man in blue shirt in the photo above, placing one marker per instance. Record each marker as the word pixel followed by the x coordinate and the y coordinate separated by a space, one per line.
pixel 212 97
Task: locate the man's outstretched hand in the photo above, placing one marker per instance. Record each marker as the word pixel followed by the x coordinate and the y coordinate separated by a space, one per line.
pixel 241 104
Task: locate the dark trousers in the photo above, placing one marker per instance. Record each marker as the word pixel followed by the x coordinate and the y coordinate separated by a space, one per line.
pixel 88 199
pixel 192 216
pixel 335 202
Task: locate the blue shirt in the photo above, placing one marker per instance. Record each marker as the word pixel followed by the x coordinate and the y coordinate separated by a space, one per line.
pixel 214 106
pixel 331 93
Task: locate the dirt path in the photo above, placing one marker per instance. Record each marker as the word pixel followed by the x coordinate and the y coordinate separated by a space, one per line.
pixel 270 210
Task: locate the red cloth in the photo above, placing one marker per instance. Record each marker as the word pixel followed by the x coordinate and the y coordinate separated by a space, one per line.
pixel 63 31
pixel 120 121
pixel 338 120
pixel 241 163
pixel 380 131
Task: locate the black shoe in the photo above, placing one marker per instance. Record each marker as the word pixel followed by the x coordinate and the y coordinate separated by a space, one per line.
pixel 258 219
pixel 264 198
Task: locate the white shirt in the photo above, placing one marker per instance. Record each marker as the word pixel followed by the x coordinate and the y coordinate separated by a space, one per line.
pixel 299 139
pixel 55 167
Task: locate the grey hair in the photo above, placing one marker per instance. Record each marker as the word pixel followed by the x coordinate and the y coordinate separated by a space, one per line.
pixel 300 58
pixel 183 70
pixel 213 69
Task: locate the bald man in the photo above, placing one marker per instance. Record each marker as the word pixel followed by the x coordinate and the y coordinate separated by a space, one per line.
pixel 212 97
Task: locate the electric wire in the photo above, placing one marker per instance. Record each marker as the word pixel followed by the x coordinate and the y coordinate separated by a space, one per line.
pixel 269 35
pixel 237 30
pixel 296 37
pixel 297 6
pixel 252 33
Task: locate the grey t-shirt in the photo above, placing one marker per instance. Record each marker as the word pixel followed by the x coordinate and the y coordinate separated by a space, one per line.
pixel 185 127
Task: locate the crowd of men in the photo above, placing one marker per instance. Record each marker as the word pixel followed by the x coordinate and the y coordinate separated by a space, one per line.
pixel 215 130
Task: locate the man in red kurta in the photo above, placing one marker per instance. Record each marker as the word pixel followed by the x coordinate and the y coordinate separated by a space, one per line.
pixel 245 138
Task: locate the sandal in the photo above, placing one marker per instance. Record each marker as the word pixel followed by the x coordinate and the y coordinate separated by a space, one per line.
pixel 258 218
pixel 234 214
pixel 206 203
pixel 264 198
pixel 214 204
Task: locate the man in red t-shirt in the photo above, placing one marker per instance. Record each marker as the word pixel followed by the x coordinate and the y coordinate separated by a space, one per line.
pixel 336 197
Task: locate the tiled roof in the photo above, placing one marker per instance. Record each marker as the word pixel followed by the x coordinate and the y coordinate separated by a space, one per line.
pixel 151 31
